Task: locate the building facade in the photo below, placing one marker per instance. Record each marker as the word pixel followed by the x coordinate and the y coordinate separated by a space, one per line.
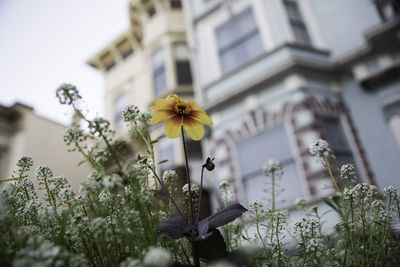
pixel 149 60
pixel 275 75
pixel 24 133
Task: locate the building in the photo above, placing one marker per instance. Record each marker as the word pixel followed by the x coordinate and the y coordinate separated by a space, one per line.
pixel 149 60
pixel 275 75
pixel 24 133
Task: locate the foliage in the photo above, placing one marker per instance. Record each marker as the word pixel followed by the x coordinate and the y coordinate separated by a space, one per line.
pixel 118 218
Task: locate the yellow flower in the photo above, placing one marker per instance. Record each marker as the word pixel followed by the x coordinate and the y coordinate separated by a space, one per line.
pixel 175 112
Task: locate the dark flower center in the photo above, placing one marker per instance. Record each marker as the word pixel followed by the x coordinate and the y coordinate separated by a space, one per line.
pixel 182 109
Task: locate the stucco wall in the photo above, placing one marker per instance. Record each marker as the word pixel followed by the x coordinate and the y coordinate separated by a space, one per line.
pixel 42 140
pixel 343 23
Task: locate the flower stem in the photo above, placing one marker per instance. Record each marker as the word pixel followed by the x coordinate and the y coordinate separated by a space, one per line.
pixel 328 166
pixel 188 178
pixel 167 192
pixel 273 190
pixel 194 245
pixel 201 191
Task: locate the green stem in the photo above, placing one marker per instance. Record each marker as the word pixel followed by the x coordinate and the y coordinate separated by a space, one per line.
pixel 201 191
pixel 188 178
pixel 273 190
pixel 328 166
pixel 194 245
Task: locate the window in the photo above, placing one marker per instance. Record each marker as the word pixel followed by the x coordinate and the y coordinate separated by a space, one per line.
pixel 127 53
pixel 159 73
pixel 151 11
pixel 110 65
pixel 253 152
pixel 166 152
pixel 176 4
pixel 332 132
pixel 296 21
pixel 182 64
pixel 387 9
pixel 238 41
pixel 120 104
pixel 392 116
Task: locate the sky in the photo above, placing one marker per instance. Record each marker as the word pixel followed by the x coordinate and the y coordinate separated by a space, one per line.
pixel 44 43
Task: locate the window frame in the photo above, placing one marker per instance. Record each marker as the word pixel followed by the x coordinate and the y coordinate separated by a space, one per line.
pixel 253 32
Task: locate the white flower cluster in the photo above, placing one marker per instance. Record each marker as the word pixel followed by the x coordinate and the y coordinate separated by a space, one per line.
pixel 226 191
pixel 112 182
pixel 307 227
pixel 194 187
pixel 271 167
pixel 157 257
pixel 361 191
pixel 169 176
pixel 347 172
pixel 390 191
pixel 321 150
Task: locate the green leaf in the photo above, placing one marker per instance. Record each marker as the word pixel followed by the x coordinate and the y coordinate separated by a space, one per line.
pixel 163 161
pixel 81 162
pixel 10 179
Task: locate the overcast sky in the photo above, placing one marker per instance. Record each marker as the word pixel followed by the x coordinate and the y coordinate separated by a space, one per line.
pixel 44 43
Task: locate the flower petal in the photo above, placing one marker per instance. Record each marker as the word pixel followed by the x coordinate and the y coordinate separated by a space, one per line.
pixel 162 103
pixel 173 127
pixel 161 115
pixel 193 128
pixel 200 115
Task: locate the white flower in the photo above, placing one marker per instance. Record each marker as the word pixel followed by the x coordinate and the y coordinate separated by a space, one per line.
pixel 390 191
pixel 347 172
pixel 271 166
pixel 194 187
pixel 169 175
pixel 226 191
pixel 157 256
pixel 112 181
pixel 321 149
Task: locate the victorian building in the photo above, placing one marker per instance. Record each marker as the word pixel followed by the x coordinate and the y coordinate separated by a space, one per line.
pixel 276 75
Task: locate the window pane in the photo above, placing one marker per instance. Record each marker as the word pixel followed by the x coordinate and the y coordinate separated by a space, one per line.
pixel 300 33
pixel 184 75
pixel 181 52
pixel 238 40
pixel 159 75
pixel 253 152
pixel 233 30
pixel 160 81
pixel 240 54
pixel 176 4
pixel 120 104
pixel 296 21
pixel 158 58
pixel 288 188
pixel 293 10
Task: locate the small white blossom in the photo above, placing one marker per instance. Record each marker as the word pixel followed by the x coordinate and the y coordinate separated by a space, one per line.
pixel 321 149
pixel 347 172
pixel 271 167
pixel 112 181
pixel 390 191
pixel 194 187
pixel 169 175
pixel 157 257
pixel 226 191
